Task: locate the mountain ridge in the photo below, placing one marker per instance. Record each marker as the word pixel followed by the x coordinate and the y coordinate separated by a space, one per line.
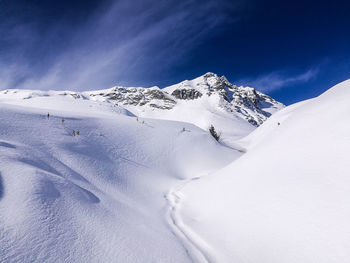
pixel 207 100
pixel 246 102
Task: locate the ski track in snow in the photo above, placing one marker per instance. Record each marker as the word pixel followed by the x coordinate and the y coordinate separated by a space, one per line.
pixel 197 249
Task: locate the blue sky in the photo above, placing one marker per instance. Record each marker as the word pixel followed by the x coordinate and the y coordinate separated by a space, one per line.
pixel 291 50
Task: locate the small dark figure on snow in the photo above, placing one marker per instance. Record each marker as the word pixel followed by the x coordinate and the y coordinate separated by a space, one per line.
pixel 73 132
pixel 278 123
pixel 183 129
pixel 48 115
pixel 62 121
pixel 78 132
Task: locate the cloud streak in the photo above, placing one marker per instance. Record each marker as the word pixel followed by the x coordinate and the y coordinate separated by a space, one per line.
pixel 120 43
pixel 278 80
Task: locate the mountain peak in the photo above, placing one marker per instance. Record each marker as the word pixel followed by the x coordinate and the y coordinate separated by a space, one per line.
pixel 206 100
pixel 209 89
pixel 210 74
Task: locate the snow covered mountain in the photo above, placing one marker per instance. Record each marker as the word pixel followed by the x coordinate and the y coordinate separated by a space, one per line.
pixel 287 198
pixel 245 102
pixel 207 100
pixel 145 182
pixel 101 196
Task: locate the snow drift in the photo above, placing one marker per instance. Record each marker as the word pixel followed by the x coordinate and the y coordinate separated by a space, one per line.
pixel 99 196
pixel 287 198
pixel 136 189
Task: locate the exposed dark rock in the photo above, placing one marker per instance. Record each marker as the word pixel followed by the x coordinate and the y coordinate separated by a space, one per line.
pixel 139 97
pixel 186 94
pixel 247 102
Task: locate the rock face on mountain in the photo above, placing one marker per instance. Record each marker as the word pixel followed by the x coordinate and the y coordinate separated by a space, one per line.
pixel 189 94
pixel 244 102
pixel 206 101
pixel 154 97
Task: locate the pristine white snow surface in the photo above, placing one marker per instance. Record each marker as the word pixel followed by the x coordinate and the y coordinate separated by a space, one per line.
pixel 288 198
pixel 98 197
pixel 131 189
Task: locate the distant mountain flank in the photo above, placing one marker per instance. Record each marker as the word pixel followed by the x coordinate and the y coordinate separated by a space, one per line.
pixel 234 111
pixel 248 103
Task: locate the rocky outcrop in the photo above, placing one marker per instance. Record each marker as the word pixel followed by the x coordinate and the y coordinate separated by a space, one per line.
pixel 154 97
pixel 186 94
pixel 248 103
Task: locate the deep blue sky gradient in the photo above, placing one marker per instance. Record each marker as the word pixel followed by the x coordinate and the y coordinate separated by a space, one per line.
pixel 291 50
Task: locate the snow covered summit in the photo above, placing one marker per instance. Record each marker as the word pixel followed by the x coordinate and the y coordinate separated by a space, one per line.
pixel 244 102
pixel 204 101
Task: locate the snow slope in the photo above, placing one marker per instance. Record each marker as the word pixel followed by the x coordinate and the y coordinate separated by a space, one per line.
pixel 133 189
pixel 287 198
pixel 206 100
pixel 102 196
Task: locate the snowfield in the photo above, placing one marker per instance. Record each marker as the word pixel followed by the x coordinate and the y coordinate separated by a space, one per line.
pixel 287 198
pixel 207 100
pixel 136 187
pixel 99 196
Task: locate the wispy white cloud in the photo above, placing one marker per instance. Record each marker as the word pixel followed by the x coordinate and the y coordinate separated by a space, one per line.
pixel 127 40
pixel 280 79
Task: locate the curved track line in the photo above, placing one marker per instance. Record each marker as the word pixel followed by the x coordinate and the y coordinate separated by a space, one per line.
pixel 195 246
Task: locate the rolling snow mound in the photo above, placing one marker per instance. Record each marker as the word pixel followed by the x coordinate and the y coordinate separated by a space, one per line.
pixel 145 182
pixel 99 196
pixel 287 198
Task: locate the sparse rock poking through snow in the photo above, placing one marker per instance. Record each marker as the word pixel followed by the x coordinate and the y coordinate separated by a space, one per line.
pixel 204 101
pixel 244 102
pixel 153 97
